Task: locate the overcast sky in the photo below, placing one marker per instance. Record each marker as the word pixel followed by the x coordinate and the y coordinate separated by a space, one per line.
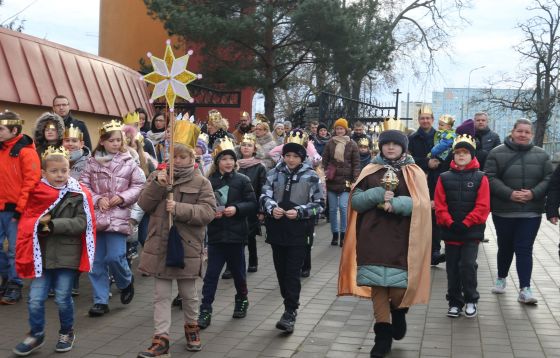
pixel 487 41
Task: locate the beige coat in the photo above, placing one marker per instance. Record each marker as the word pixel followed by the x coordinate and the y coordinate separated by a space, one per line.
pixel 419 244
pixel 195 208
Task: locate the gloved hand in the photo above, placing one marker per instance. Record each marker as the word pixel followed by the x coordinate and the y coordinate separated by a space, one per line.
pixel 458 227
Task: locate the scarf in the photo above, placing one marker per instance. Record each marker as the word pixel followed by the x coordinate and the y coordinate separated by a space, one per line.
pixel 43 199
pixel 103 157
pixel 395 164
pixel 156 137
pixel 340 146
pixel 183 172
pixel 365 159
pixel 248 162
pixel 75 155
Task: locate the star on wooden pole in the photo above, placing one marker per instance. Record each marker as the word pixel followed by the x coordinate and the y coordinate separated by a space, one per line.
pixel 170 76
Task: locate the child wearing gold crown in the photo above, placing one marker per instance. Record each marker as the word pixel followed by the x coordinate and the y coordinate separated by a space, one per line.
pixel 443 139
pixel 462 205
pixel 115 181
pixel 56 240
pixel 73 142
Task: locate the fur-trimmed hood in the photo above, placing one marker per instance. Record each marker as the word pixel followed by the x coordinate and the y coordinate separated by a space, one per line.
pixel 39 132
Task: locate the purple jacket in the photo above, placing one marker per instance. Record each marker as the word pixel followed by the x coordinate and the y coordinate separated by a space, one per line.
pixel 122 177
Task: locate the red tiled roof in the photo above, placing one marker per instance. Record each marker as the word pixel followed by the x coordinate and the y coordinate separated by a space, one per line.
pixel 34 71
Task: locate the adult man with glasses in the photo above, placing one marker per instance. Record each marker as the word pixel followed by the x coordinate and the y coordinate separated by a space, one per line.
pixel 61 106
pixel 243 127
pixel 420 144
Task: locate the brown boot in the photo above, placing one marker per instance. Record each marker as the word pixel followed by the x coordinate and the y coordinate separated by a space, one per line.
pixel 192 334
pixel 159 348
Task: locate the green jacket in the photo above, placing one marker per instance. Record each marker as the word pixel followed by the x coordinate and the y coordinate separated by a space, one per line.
pixel 532 170
pixel 62 247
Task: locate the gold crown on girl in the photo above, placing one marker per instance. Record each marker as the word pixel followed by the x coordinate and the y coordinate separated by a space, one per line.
pixel 261 118
pixel 363 142
pixel 249 138
pixel 296 136
pixel 447 119
pixel 224 144
pixel 464 138
pixel 114 125
pixel 73 132
pixel 51 150
pixel 393 124
pixel 131 118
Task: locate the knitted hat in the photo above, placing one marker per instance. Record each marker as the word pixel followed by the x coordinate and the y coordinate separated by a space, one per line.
pixel 294 148
pixel 225 152
pixel 465 145
pixel 321 126
pixel 394 136
pixel 341 122
pixel 202 145
pixel 467 127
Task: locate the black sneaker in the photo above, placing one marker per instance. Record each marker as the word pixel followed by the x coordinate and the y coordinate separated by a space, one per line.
pixel 252 268
pixel 454 312
pixel 227 275
pixel 241 305
pixel 127 294
pixel 12 294
pixel 65 342
pixel 287 321
pixel 30 344
pixel 98 310
pixel 204 318
pixel 305 273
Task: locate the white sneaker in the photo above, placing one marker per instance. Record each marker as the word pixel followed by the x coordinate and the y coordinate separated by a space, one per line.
pixel 454 312
pixel 526 296
pixel 470 310
pixel 500 286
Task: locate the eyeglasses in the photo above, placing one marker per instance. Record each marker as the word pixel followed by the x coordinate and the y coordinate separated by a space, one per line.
pixel 61 105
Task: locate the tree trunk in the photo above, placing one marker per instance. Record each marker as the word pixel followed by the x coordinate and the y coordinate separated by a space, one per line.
pixel 269 63
pixel 540 129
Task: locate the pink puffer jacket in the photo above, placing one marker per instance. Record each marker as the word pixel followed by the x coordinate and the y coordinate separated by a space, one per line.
pixel 122 177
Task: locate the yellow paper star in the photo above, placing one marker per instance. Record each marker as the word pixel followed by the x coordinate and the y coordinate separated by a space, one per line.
pixel 170 76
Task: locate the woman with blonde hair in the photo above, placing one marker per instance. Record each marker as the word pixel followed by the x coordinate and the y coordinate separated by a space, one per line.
pixel 217 128
pixel 266 142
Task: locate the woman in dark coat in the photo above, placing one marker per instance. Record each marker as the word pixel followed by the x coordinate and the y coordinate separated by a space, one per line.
pixel 519 173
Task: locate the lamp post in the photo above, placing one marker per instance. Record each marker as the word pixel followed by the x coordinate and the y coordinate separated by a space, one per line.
pixel 469 86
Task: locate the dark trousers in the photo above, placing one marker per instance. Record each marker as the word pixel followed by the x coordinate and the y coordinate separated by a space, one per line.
pixel 252 246
pixel 516 236
pixel 436 236
pixel 218 255
pixel 288 261
pixel 307 260
pixel 461 269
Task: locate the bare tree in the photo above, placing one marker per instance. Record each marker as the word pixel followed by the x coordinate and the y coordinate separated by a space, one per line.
pixel 536 83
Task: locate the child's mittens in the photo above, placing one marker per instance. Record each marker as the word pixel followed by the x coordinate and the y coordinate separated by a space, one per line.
pixel 458 227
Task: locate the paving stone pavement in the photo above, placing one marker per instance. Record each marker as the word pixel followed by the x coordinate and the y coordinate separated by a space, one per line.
pixel 327 326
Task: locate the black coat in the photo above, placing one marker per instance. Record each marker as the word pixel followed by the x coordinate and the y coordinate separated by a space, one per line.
pixel 419 145
pixel 486 141
pixel 77 123
pixel 257 175
pixel 235 229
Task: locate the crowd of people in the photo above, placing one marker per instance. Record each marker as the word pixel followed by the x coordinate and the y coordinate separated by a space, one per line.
pixel 193 199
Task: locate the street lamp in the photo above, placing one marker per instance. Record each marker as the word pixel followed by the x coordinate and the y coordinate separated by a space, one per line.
pixel 469 86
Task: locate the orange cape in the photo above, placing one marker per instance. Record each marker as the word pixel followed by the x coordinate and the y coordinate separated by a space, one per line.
pixel 419 244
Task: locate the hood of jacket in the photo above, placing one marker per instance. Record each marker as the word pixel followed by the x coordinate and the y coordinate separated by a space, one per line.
pixel 517 147
pixel 39 133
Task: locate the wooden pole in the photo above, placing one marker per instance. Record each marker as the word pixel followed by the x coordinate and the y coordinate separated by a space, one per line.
pixel 171 161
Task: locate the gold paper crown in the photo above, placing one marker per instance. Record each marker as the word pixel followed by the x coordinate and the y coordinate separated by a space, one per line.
pixel 296 136
pixel 9 118
pixel 51 150
pixel 131 118
pixel 73 132
pixel 214 115
pixel 249 138
pixel 363 142
pixel 464 138
pixel 425 109
pixel 224 144
pixel 245 114
pixel 393 124
pixel 204 137
pixel 114 125
pixel 447 119
pixel 184 132
pixel 261 118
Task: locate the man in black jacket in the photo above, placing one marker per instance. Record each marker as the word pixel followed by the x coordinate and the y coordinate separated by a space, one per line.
pixel 61 106
pixel 420 144
pixel 487 139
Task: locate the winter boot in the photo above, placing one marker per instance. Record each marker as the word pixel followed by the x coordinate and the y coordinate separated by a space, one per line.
pixel 398 318
pixel 159 348
pixel 383 340
pixel 287 321
pixel 334 241
pixel 192 334
pixel 342 237
pixel 241 305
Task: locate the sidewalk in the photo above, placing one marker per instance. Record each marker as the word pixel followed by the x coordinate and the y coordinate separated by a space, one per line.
pixel 327 326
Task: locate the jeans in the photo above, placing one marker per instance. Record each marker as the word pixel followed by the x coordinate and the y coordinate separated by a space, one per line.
pixel 337 201
pixel 461 269
pixel 8 230
pixel 62 281
pixel 516 236
pixel 218 255
pixel 288 261
pixel 110 254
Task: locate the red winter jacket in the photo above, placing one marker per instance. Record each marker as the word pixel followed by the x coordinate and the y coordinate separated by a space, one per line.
pixel 20 170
